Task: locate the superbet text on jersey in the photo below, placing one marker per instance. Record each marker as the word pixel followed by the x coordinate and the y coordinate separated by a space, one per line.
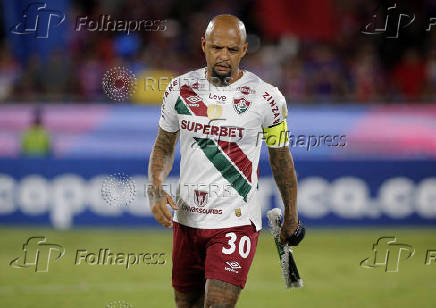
pixel 221 133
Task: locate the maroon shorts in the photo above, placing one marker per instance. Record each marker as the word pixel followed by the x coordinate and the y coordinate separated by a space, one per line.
pixel 222 254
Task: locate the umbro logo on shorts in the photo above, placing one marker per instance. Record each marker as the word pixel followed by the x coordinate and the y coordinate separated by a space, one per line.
pixel 233 266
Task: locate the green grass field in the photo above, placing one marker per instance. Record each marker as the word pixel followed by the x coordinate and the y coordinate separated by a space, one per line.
pixel 328 261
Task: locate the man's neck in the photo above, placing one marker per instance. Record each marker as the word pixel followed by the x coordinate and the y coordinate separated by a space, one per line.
pixel 218 82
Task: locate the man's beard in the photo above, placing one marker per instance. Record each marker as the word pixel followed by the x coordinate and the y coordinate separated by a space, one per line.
pixel 221 80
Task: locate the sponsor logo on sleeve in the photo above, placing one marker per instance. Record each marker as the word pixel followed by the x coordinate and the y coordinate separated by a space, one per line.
pixel 274 107
pixel 246 90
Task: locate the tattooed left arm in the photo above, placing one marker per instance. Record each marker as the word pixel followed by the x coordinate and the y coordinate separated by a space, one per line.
pixel 282 166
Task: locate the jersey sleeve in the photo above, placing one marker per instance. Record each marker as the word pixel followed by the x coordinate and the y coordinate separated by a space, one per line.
pixel 274 124
pixel 168 116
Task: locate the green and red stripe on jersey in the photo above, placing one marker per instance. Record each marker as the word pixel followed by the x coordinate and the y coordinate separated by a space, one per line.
pixel 193 101
pixel 234 152
pixel 230 161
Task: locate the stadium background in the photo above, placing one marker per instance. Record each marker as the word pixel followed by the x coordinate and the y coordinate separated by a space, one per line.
pixel 376 91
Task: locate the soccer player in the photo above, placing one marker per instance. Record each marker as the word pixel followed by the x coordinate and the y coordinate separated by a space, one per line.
pixel 222 114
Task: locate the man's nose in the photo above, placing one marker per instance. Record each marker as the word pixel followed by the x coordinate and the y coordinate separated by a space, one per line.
pixel 224 54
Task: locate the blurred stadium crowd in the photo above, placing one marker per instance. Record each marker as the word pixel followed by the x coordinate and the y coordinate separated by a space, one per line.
pixel 310 59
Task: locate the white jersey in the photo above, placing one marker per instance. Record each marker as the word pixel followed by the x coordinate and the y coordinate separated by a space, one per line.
pixel 220 140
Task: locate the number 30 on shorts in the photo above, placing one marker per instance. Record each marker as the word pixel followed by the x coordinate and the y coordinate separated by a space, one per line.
pixel 244 245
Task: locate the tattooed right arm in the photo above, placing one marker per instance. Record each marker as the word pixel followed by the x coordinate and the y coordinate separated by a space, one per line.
pixel 159 167
pixel 162 157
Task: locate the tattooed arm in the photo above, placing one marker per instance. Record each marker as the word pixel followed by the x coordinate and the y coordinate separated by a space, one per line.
pixel 282 166
pixel 160 165
pixel 220 294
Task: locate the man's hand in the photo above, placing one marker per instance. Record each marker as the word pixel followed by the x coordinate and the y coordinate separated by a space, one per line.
pixel 282 166
pixel 159 200
pixel 292 233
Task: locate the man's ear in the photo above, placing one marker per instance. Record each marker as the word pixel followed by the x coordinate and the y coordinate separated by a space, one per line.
pixel 244 49
pixel 203 43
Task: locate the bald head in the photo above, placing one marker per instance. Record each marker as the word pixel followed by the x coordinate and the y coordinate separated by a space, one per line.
pixel 226 23
pixel 224 44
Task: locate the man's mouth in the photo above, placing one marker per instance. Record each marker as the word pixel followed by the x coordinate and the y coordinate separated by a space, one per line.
pixel 222 67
